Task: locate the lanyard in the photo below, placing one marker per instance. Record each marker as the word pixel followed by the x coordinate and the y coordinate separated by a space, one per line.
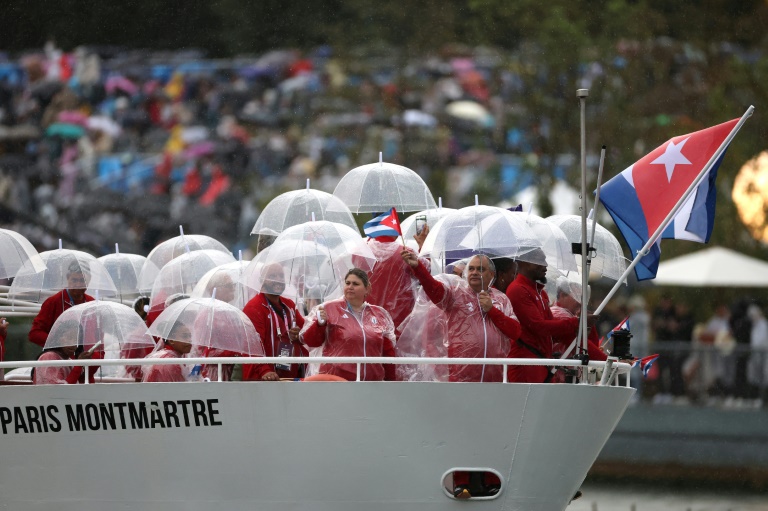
pixel 275 320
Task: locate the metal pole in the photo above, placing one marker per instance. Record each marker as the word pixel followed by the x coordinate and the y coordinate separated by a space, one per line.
pixel 582 95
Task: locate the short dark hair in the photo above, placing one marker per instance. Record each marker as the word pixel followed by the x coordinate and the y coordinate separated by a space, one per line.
pixel 357 272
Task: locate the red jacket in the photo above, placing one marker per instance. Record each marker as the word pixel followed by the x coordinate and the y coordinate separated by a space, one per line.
pixel 343 335
pixel 471 334
pixel 273 330
pixel 50 310
pixel 539 329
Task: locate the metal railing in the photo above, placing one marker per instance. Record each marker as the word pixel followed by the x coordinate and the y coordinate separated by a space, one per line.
pixel 614 368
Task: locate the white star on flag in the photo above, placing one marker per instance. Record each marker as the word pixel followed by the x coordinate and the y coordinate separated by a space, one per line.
pixel 672 156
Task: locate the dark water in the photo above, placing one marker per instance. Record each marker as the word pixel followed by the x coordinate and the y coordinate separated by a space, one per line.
pixel 619 497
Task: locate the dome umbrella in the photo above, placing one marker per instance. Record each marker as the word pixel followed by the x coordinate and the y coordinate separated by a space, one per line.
pixel 17 252
pixel 182 274
pixel 172 248
pixel 230 283
pixel 124 270
pixel 300 206
pixel 377 187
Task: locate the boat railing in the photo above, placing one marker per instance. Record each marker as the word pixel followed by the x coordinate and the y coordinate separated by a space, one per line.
pixel 612 368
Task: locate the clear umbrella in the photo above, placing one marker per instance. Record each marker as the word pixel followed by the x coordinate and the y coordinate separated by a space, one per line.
pixel 487 230
pixel 609 260
pixel 555 244
pixel 35 287
pixel 308 261
pixel 124 270
pixel 408 225
pixel 230 282
pixel 300 206
pixel 182 274
pixel 170 249
pixel 17 252
pixel 377 187
pixel 214 325
pixel 108 327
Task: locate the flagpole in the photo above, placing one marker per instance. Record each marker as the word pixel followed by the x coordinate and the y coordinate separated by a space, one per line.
pixel 582 95
pixel 704 171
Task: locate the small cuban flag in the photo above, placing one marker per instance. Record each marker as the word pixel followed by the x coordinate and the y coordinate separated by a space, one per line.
pixel 386 224
pixel 646 363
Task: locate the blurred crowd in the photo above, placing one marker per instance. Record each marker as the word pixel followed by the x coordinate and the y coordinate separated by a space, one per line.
pixel 103 145
pixel 721 361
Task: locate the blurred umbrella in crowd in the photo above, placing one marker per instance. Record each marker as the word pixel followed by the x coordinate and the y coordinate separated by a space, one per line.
pixel 124 270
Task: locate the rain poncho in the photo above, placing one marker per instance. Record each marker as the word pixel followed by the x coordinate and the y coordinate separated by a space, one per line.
pixel 344 335
pixel 273 331
pixel 60 375
pixel 392 285
pixel 559 346
pixel 50 310
pixel 539 329
pixel 469 333
pixel 165 373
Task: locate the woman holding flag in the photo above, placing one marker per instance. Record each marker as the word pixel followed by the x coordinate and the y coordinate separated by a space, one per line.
pixel 351 327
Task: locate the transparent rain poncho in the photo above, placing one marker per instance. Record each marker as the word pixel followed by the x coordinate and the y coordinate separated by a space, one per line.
pixel 169 250
pixel 38 286
pixel 377 187
pixel 300 206
pixel 454 328
pixel 17 252
pixel 230 282
pixel 182 274
pixel 124 270
pixel 609 260
pixel 393 285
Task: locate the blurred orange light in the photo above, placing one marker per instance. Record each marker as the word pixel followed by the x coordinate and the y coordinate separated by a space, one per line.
pixel 750 194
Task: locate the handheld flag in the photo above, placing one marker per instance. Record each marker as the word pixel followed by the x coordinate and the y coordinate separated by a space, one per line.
pixel 677 178
pixel 386 224
pixel 646 363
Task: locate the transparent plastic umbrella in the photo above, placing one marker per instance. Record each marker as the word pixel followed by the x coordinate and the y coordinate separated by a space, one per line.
pixel 124 270
pixel 487 230
pixel 170 249
pixel 36 287
pixel 108 327
pixel 300 206
pixel 555 244
pixel 408 225
pixel 214 325
pixel 377 187
pixel 182 274
pixel 16 252
pixel 230 282
pixel 609 260
pixel 307 262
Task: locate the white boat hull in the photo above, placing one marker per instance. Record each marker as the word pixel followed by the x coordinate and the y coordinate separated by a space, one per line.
pixel 298 446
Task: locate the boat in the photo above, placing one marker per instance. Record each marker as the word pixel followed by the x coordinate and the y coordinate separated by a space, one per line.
pixel 317 446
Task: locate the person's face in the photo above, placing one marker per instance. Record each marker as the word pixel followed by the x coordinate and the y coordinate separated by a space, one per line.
pixel 569 303
pixel 225 291
pixel 76 285
pixel 354 290
pixel 479 274
pixel 274 281
pixel 458 270
pixel 535 272
pixel 181 339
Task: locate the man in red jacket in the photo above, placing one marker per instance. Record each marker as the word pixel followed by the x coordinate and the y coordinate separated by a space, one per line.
pixel 539 327
pixel 278 323
pixel 52 307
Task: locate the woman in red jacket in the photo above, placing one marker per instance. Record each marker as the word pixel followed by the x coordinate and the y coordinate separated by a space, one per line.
pixel 350 327
pixel 67 349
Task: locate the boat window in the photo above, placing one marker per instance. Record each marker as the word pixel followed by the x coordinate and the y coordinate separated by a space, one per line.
pixel 476 483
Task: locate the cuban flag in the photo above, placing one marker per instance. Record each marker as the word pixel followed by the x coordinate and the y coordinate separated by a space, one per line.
pixel 646 363
pixel 642 196
pixel 386 224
